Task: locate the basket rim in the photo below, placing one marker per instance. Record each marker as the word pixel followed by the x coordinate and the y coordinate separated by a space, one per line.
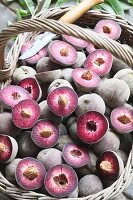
pixel 122 53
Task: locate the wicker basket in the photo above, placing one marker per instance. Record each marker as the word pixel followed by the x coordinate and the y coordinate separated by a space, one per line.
pixel 41 22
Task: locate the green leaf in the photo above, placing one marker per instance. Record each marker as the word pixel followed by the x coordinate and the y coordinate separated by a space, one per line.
pixel 30 5
pixel 115 4
pixel 97 7
pixel 130 1
pixel 19 17
pixel 21 13
pixel 22 3
pixel 126 6
pixel 27 4
pixel 60 2
pixel 77 1
pixel 107 7
pixel 7 1
pixel 46 4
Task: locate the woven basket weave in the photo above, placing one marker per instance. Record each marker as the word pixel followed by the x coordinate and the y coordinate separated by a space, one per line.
pixel 47 22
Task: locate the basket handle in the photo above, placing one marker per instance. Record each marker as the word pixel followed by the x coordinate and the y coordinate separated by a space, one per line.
pixel 32 25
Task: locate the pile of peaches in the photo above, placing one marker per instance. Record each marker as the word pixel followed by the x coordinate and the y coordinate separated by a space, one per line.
pixel 68 117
